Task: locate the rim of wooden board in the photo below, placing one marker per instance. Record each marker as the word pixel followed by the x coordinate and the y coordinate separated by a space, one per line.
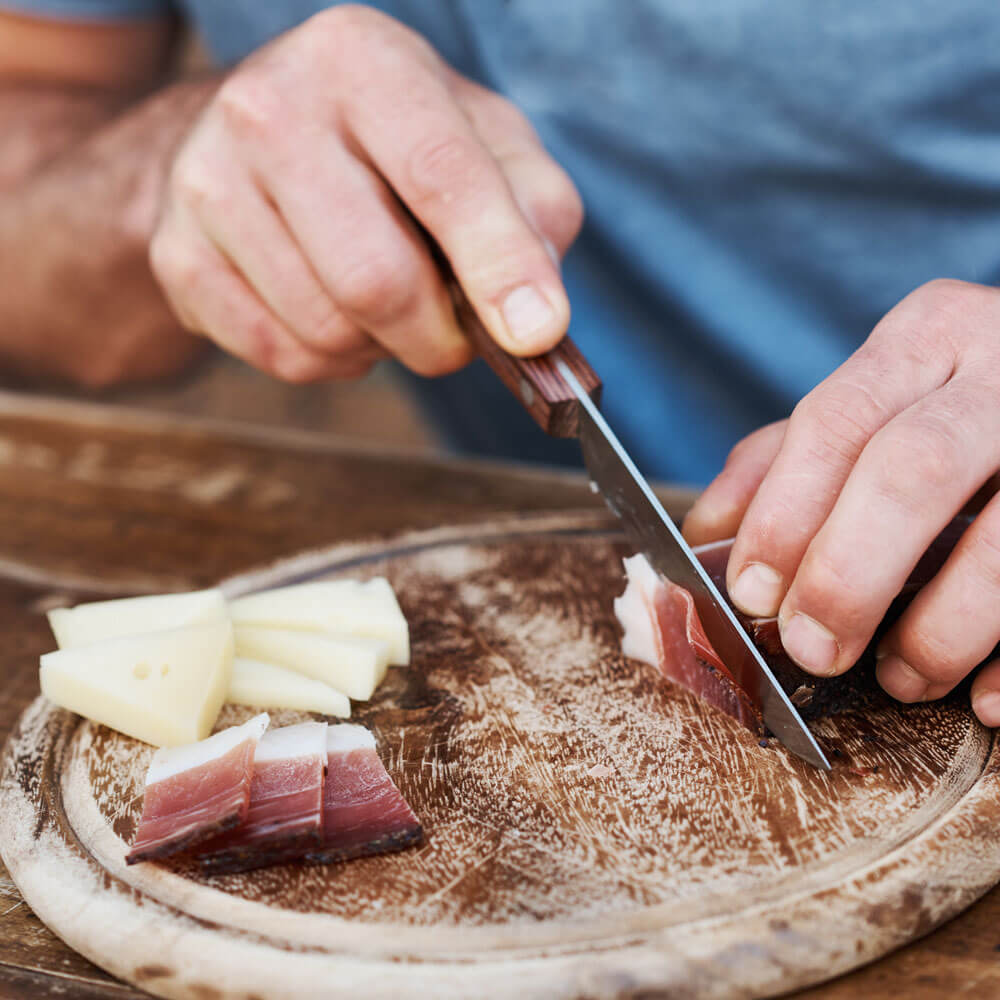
pixel 880 906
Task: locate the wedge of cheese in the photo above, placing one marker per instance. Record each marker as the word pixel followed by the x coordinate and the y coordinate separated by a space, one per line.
pixel 265 685
pixel 342 607
pixel 162 687
pixel 88 623
pixel 352 666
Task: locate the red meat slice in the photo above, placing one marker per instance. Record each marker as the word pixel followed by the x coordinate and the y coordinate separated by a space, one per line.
pixel 363 811
pixel 197 791
pixel 285 817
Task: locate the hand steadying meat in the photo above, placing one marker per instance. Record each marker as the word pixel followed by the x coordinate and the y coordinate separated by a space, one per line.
pixel 835 506
pixel 284 238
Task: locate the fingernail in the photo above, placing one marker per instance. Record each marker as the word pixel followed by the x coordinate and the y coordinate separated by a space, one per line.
pixel 550 249
pixel 527 313
pixel 811 645
pixel 758 590
pixel 987 708
pixel 899 679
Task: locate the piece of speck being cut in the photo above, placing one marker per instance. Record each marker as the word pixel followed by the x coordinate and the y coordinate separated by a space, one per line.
pixel 196 791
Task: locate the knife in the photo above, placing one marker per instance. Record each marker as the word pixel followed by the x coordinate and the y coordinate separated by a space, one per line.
pixel 560 391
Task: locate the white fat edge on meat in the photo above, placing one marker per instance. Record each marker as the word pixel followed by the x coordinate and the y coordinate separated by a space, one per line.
pixel 175 760
pixel 634 611
pixel 307 739
pixel 344 738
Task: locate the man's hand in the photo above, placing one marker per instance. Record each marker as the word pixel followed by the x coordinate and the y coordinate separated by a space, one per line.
pixel 284 235
pixel 835 506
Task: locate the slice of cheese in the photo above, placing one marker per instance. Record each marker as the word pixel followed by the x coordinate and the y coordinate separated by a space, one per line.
pixel 162 687
pixel 353 666
pixel 343 607
pixel 88 623
pixel 265 685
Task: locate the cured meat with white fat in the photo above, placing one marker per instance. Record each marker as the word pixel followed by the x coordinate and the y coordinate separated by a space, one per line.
pixel 363 811
pixel 197 791
pixel 285 817
pixel 662 628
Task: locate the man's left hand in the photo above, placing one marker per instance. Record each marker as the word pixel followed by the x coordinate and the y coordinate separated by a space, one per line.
pixel 833 508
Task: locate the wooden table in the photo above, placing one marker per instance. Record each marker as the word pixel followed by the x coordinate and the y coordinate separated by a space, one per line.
pixel 107 501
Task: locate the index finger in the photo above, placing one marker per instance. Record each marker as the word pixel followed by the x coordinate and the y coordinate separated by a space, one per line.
pixel 420 141
pixel 825 437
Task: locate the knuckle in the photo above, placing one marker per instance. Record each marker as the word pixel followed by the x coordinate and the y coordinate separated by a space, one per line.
pixel 836 421
pixel 931 653
pixel 249 103
pixel 379 288
pixel 916 461
pixel 331 332
pixel 441 167
pixel 196 183
pixel 826 587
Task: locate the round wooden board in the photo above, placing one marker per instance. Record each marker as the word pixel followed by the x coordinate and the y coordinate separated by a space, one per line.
pixel 591 831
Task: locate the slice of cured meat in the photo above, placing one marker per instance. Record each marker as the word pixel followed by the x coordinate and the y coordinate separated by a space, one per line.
pixel 363 811
pixel 662 629
pixel 196 791
pixel 285 818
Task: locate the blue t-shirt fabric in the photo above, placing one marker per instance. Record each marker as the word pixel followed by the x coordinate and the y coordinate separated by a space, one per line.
pixel 763 180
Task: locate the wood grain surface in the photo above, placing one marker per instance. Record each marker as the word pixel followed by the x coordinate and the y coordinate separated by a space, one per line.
pixel 97 502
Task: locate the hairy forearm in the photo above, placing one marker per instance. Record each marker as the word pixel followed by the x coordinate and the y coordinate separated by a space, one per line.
pixel 80 187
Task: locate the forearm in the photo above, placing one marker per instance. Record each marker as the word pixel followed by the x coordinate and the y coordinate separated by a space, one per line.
pixel 80 188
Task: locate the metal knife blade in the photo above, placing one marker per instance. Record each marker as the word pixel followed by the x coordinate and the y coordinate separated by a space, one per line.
pixel 650 528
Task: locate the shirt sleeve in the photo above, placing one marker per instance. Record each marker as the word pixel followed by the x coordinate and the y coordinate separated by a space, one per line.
pixel 88 10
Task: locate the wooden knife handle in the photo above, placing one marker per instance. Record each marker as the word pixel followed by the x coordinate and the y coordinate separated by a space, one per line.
pixel 534 382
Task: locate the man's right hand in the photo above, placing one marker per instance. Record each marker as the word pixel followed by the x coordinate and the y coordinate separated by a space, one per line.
pixel 284 235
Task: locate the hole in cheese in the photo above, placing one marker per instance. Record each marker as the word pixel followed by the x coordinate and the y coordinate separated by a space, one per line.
pixel 140 671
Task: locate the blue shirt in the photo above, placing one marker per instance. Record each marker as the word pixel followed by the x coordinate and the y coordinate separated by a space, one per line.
pixel 763 179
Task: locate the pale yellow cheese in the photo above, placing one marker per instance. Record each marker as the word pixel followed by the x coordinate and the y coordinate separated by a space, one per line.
pixel 354 666
pixel 88 623
pixel 342 607
pixel 265 685
pixel 162 687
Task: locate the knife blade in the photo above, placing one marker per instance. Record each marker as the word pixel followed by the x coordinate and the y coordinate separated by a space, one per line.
pixel 560 391
pixel 651 530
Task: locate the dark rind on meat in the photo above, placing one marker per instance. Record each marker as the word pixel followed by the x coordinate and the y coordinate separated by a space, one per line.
pixel 184 842
pixel 387 844
pixel 249 857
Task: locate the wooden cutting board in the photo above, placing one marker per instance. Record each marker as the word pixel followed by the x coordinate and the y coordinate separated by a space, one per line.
pixel 591 831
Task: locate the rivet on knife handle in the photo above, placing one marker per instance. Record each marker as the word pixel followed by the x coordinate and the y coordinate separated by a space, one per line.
pixel 542 391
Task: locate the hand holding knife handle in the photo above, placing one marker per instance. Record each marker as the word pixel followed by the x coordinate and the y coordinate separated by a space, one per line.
pixel 535 382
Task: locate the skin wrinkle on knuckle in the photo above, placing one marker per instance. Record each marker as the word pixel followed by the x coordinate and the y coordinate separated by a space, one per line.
pixel 378 289
pixel 929 654
pixel 825 589
pixel 198 185
pixel 833 424
pixel 250 104
pixel 914 465
pixel 445 169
